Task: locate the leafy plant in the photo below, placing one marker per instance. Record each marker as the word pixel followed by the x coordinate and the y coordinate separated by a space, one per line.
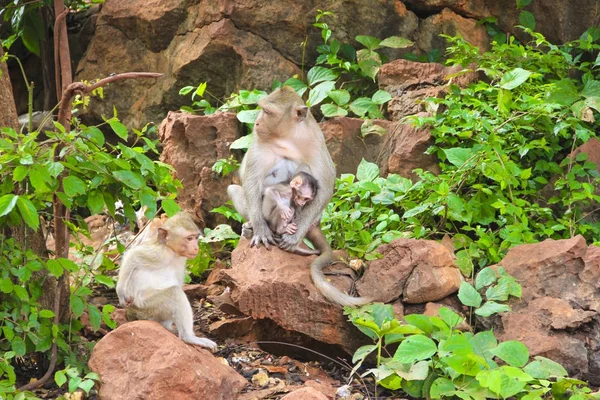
pixel 434 360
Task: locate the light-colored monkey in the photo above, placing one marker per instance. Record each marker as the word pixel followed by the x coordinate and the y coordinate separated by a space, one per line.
pixel 282 201
pixel 287 139
pixel 151 278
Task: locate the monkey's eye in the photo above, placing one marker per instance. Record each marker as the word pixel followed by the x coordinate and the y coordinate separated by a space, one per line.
pixel 192 238
pixel 268 112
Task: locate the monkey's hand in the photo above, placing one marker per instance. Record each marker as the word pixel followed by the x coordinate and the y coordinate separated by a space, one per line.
pixel 289 242
pixel 286 213
pixel 291 228
pixel 262 236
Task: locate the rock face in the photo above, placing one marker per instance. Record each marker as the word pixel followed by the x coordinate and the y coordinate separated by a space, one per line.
pixel 191 144
pixel 418 271
pixel 142 360
pixel 558 315
pixel 307 393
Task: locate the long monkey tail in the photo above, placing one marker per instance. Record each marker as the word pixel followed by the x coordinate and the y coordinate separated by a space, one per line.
pixel 332 293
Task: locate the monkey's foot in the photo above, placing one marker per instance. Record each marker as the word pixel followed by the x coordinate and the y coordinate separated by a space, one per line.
pixel 247 231
pixel 207 343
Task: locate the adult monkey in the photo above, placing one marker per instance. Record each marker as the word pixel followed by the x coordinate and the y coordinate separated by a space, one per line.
pixel 287 139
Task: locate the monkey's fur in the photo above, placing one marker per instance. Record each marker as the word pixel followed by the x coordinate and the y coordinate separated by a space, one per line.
pixel 151 278
pixel 287 139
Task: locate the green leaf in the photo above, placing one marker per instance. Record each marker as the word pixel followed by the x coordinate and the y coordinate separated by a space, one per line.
pixel 199 90
pixel 320 74
pixel 28 212
pixel 107 311
pixel 46 313
pixel 170 207
pixel 332 110
pixel 19 173
pixel 512 352
pixel 7 203
pixel 362 106
pixel 563 92
pixel 248 116
pixel 522 3
pixel 73 186
pixel 369 42
pixel 514 78
pixel 95 317
pixel 54 267
pixel 319 93
pixel 396 42
pixel 415 348
pixel 381 97
pixel 458 156
pixel 340 97
pixel 367 171
pixel 129 178
pixel 6 285
pixel 527 20
pixel 118 128
pixel 299 86
pixel 186 90
pixel 497 292
pixel 451 318
pixel 18 346
pixel 485 277
pixel 468 295
pixel 105 280
pixel 86 385
pixel 21 293
pixel 544 368
pixel 95 202
pixel 415 211
pixel 32 31
pixel 94 134
pixel 362 352
pixel 490 308
pixel 9 334
pixel 441 388
pixel 77 305
pixel 242 143
pixel 55 168
pixel 60 378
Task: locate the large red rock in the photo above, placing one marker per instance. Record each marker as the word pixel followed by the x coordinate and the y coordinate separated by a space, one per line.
pixel 191 144
pixel 142 360
pixel 276 286
pixel 418 271
pixel 306 393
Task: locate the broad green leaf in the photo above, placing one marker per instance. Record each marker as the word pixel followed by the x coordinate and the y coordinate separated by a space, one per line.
pixel 129 178
pixel 544 368
pixel 332 110
pixel 340 97
pixel 248 116
pixel 369 128
pixel 440 388
pixel 55 168
pixel 319 93
pixel 451 318
pixel 33 30
pixel 6 285
pixel 369 66
pixel 21 293
pixel 95 202
pixel 170 207
pixel 7 203
pixel 468 295
pixel 413 372
pixel 591 88
pixel 522 3
pixel 514 78
pixel 396 42
pixel 362 352
pixel 95 317
pixel 391 382
pixel 381 97
pixel 369 42
pixel 367 171
pixel 107 311
pixel 105 280
pixel 423 322
pixel 299 86
pixel 73 186
pixel 242 143
pixel 28 212
pixel 18 346
pixel 512 352
pixel 498 292
pixel 20 172
pixel 9 334
pixel 485 277
pixel 415 211
pixel 118 128
pixel 320 74
pixel 93 134
pixel 362 106
pixel 199 90
pixel 54 267
pixel 563 92
pixel 86 385
pixel 77 305
pixel 46 313
pixel 186 90
pixel 415 348
pixel 527 20
pixel 465 363
pixel 60 378
pixel 458 156
pixel 490 308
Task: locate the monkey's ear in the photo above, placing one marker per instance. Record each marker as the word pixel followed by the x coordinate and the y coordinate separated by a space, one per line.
pixel 296 182
pixel 162 235
pixel 301 113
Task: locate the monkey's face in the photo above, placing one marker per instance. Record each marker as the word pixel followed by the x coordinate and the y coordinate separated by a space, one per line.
pixel 269 121
pixel 184 243
pixel 300 198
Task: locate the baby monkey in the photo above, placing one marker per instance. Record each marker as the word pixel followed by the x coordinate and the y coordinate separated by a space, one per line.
pixel 281 203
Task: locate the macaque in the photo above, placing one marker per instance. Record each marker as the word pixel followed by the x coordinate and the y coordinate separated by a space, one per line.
pixel 288 140
pixel 151 278
pixel 282 201
pixel 40 121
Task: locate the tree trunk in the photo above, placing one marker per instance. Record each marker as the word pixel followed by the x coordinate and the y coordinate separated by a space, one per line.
pixel 8 111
